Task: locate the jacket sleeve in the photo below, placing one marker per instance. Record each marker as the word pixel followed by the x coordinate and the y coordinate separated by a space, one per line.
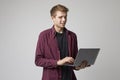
pixel 40 60
pixel 75 46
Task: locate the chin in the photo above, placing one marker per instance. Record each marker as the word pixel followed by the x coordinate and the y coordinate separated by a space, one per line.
pixel 62 26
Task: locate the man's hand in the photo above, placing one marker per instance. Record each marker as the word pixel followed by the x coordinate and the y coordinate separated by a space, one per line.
pixel 82 65
pixel 65 60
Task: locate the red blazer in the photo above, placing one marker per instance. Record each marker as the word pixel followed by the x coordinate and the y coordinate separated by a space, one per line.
pixel 47 53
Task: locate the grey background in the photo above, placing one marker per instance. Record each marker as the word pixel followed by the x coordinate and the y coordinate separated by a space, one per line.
pixel 96 23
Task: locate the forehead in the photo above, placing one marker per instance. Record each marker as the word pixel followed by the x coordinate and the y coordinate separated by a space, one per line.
pixel 59 13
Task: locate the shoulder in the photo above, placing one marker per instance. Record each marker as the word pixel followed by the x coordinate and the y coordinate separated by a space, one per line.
pixel 71 33
pixel 45 32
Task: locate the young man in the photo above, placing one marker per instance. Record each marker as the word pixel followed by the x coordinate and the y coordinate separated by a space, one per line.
pixel 57 46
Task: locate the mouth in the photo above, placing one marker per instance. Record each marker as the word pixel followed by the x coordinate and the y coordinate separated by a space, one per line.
pixel 63 23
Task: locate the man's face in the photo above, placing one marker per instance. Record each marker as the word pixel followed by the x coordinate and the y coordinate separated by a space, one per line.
pixel 60 19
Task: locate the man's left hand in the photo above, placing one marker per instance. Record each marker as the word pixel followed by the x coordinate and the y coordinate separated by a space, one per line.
pixel 83 65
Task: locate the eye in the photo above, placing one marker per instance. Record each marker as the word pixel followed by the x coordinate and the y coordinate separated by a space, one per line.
pixel 60 17
pixel 65 17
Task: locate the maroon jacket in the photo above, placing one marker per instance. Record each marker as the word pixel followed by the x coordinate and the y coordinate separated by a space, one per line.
pixel 47 53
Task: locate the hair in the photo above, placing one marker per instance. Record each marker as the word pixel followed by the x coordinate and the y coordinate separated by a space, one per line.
pixel 58 7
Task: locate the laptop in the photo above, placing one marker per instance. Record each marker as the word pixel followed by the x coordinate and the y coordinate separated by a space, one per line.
pixel 85 54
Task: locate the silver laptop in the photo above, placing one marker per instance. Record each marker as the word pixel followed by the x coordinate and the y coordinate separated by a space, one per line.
pixel 88 54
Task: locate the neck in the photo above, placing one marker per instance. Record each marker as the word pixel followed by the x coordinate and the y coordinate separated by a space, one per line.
pixel 58 29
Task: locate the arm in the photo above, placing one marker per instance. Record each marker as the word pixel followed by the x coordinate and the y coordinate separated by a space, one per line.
pixel 40 59
pixel 84 63
pixel 65 60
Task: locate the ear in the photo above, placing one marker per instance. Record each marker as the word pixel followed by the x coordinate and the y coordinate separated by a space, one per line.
pixel 52 17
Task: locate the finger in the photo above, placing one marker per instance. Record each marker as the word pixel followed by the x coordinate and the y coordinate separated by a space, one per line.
pixel 71 61
pixel 83 65
pixel 88 65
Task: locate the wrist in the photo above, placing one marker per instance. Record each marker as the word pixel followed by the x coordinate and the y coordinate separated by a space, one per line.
pixel 59 62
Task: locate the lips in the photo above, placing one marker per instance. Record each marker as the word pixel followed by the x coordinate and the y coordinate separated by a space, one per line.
pixel 63 23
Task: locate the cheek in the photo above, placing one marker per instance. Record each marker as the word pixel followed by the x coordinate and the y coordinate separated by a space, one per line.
pixel 58 21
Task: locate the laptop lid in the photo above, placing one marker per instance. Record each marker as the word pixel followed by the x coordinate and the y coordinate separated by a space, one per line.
pixel 85 54
pixel 88 54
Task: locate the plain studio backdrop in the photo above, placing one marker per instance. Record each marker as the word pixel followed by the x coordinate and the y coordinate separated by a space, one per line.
pixel 95 22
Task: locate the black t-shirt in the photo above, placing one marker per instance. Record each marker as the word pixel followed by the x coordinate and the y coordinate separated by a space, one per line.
pixel 63 47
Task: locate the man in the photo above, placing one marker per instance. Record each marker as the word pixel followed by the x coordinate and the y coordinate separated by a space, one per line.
pixel 57 46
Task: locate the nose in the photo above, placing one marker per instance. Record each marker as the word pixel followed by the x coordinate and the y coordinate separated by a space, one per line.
pixel 64 19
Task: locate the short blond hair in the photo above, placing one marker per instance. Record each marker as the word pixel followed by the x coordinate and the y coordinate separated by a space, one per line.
pixel 58 7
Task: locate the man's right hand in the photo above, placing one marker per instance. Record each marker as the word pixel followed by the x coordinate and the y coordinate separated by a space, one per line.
pixel 65 60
